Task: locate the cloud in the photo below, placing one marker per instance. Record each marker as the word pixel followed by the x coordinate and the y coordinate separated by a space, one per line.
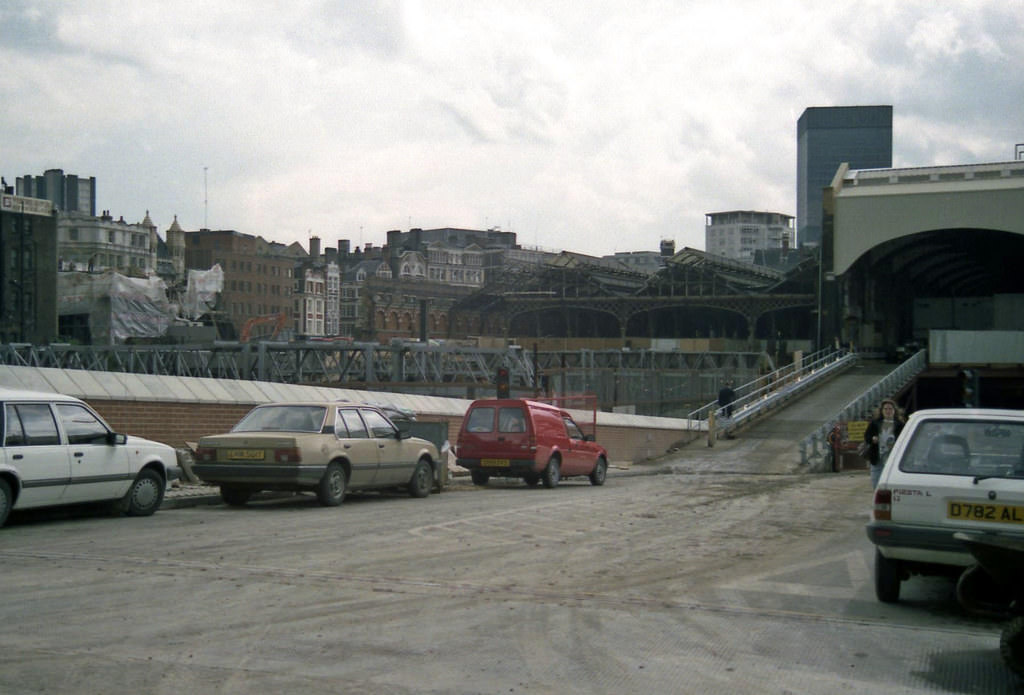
pixel 597 127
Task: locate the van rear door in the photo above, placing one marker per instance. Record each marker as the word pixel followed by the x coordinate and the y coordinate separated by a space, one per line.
pixel 495 434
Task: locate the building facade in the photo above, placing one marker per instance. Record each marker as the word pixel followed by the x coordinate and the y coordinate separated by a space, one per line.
pixel 67 192
pixel 259 276
pixel 93 244
pixel 28 270
pixel 741 234
pixel 860 136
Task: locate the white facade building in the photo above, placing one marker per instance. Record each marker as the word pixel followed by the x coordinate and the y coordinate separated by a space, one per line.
pixel 93 244
pixel 739 234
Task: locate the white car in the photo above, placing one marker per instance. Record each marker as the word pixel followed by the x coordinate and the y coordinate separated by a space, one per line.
pixel 950 470
pixel 57 451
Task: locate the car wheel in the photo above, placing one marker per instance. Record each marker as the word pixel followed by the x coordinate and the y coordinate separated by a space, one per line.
pixel 978 592
pixel 422 479
pixel 145 494
pixel 532 479
pixel 479 477
pixel 600 472
pixel 887 578
pixel 6 501
pixel 1011 645
pixel 331 490
pixel 552 473
pixel 234 497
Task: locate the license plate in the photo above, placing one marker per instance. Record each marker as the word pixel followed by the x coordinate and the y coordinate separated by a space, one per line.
pixel 494 463
pixel 982 511
pixel 245 454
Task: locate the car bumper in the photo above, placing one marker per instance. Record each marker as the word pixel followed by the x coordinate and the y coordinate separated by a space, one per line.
pixel 515 467
pixel 918 543
pixel 298 476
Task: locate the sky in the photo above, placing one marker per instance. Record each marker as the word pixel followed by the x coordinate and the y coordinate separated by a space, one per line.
pixel 592 126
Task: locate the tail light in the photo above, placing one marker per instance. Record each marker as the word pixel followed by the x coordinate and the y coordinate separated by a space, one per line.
pixel 883 505
pixel 533 441
pixel 287 455
pixel 206 454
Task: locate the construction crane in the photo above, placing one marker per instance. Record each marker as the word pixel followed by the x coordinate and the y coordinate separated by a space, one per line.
pixel 278 321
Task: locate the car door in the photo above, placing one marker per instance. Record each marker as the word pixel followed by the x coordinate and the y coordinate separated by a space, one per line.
pixel 579 458
pixel 396 463
pixel 362 450
pixel 100 470
pixel 33 447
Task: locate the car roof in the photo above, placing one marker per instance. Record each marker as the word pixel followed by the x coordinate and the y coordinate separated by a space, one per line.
pixel 967 414
pixel 9 394
pixel 511 402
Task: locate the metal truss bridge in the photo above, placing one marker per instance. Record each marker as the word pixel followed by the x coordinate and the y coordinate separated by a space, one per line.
pixel 616 376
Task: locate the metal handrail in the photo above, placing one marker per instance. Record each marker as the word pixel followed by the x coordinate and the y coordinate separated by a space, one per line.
pixel 767 391
pixel 814 449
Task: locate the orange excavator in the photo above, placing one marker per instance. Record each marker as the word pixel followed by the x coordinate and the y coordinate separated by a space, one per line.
pixel 278 321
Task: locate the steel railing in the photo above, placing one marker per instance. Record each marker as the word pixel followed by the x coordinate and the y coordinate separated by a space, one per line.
pixel 815 452
pixel 769 391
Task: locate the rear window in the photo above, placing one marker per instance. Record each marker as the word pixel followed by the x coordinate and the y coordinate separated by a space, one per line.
pixel 480 420
pixel 283 418
pixel 511 420
pixel 962 447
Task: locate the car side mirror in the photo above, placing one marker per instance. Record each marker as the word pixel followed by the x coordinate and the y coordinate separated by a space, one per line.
pixel 589 438
pixel 114 438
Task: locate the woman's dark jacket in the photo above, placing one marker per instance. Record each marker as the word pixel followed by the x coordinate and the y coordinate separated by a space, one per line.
pixel 874 427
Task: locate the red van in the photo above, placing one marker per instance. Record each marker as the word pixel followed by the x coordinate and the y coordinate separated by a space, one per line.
pixel 518 438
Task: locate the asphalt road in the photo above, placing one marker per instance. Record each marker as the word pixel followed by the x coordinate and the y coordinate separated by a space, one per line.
pixel 682 582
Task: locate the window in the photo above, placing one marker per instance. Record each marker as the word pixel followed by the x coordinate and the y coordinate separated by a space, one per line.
pixel 37 423
pixel 511 420
pixel 378 425
pixel 481 420
pixel 80 425
pixel 353 423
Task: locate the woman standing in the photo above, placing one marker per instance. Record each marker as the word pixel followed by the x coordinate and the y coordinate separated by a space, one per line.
pixel 880 435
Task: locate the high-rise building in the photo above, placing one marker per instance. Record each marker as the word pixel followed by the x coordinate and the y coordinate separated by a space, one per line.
pixel 740 234
pixel 28 270
pixel 68 193
pixel 826 137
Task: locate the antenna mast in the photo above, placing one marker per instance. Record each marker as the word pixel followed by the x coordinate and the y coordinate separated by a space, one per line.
pixel 206 201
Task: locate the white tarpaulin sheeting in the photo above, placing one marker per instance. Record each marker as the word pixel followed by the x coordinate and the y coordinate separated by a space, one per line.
pixel 201 294
pixel 119 307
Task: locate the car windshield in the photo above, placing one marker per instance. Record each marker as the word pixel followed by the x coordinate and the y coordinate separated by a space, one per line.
pixel 966 447
pixel 283 418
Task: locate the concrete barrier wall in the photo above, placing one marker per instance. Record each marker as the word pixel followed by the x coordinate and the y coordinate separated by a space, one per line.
pixel 179 410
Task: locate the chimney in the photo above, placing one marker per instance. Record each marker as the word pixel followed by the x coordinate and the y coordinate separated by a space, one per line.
pixel 343 247
pixel 314 247
pixel 668 247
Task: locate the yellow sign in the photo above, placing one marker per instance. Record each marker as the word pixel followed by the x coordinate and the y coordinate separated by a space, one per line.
pixel 855 430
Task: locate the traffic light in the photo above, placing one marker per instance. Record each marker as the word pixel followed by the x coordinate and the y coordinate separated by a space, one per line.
pixel 501 380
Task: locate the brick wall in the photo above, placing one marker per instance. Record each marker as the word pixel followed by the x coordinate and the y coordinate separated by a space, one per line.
pixel 177 423
pixel 170 423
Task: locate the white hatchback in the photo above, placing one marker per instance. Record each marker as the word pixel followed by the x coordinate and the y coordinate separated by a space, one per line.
pixel 950 470
pixel 57 451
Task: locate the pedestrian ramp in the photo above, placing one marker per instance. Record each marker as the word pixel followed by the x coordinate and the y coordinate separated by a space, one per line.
pixel 794 437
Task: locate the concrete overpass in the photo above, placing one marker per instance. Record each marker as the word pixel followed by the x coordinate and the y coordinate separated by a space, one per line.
pixel 908 250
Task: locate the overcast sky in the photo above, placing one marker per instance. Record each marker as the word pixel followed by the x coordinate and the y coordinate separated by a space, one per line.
pixel 591 126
